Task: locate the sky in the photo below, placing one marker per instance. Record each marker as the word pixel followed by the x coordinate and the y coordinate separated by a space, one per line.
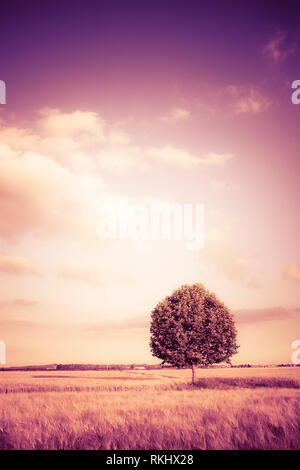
pixel 146 102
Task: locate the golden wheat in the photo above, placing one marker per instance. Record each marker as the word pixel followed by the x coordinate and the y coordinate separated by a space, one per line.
pixel 228 409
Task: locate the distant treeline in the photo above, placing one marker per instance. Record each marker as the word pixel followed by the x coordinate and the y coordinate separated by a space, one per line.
pixel 106 366
pixel 124 367
pixel 86 367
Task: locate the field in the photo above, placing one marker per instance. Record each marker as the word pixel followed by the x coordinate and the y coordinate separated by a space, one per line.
pixel 253 408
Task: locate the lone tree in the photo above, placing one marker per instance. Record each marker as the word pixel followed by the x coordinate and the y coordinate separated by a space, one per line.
pixel 192 327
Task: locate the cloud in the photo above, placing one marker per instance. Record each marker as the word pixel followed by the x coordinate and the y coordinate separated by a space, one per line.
pixel 119 137
pixel 279 48
pixel 80 141
pixel 51 172
pixel 174 156
pixel 88 142
pixel 228 258
pixel 220 185
pixel 80 125
pixel 138 322
pixel 112 326
pixel 218 160
pixel 17 265
pixel 264 314
pixel 252 283
pixel 93 276
pixel 71 273
pixel 121 160
pixel 233 100
pixel 175 115
pixel 19 303
pixel 184 159
pixel 25 302
pixel 37 195
pixel 247 99
pixel 292 272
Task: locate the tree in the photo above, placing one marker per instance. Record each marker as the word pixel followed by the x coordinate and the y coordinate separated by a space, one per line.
pixel 192 327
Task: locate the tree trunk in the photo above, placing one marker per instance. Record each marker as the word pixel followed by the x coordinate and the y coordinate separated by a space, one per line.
pixel 193 374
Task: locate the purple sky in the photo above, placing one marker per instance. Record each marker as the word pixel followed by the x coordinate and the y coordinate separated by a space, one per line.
pixel 186 102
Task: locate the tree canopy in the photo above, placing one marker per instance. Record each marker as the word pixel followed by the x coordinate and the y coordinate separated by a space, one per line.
pixel 191 327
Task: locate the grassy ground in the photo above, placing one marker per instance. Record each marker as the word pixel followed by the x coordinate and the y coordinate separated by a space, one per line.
pixel 227 409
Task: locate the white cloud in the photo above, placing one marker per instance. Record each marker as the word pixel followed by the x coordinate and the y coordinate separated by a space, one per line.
pixel 79 125
pixel 228 258
pixel 80 141
pixel 292 272
pixel 119 137
pixel 121 160
pixel 247 99
pixel 279 48
pixel 219 185
pixel 175 115
pixel 17 265
pixel 216 159
pixel 94 276
pixel 51 174
pixel 184 159
pixel 174 156
pixel 38 195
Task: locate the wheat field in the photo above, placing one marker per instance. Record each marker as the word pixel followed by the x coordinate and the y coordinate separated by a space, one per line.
pixel 255 408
